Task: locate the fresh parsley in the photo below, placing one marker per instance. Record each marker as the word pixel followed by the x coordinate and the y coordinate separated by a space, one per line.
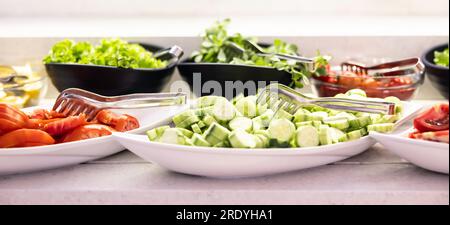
pixel 213 50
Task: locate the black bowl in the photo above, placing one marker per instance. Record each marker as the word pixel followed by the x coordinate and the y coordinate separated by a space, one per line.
pixel 438 75
pixel 109 80
pixel 223 73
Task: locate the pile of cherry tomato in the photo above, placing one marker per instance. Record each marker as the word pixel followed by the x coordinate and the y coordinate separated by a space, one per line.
pixel 42 127
pixel 375 87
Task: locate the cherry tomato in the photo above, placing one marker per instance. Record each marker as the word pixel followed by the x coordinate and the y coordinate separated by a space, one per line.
pixel 434 119
pixel 62 126
pixel 11 118
pixel 87 132
pixel 25 138
pixel 351 80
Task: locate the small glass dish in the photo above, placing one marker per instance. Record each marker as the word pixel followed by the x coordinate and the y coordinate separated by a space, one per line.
pixel 24 92
pixel 404 87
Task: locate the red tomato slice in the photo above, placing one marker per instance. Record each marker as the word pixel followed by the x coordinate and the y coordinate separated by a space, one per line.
pixel 118 122
pixel 87 132
pixel 11 118
pixel 25 138
pixel 438 136
pixel 62 126
pixel 434 119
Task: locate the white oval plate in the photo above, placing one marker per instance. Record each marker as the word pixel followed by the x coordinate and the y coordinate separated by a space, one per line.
pixel 234 163
pixel 426 154
pixel 21 160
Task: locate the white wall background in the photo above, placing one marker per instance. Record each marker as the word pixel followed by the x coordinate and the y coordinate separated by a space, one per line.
pixel 220 8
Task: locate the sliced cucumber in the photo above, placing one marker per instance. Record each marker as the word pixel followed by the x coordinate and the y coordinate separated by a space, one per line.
pixel 188 122
pixel 223 111
pixel 216 133
pixel 356 92
pixel 208 120
pixel 247 107
pixel 237 98
pixel 354 135
pixel 339 124
pixel 179 118
pixel 316 124
pixel 307 136
pixel 196 128
pixel 325 135
pixel 241 123
pixel 174 136
pixel 241 139
pixel 337 135
pixel 151 134
pixel 206 101
pixel 199 140
pixel 281 114
pixel 317 116
pixel 281 129
pixel 381 128
pixel 202 112
pixel 301 115
pixel 186 132
pixel 264 140
pixel 201 124
pixel 304 123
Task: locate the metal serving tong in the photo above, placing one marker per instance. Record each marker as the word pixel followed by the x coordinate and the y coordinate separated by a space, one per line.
pixel 74 101
pixel 237 50
pixel 279 96
pixel 394 68
pixel 174 52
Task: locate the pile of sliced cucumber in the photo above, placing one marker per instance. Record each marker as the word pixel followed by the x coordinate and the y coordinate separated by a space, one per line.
pixel 241 123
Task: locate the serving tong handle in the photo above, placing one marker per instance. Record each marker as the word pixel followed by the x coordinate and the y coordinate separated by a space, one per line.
pixel 76 101
pixel 279 96
pixel 399 67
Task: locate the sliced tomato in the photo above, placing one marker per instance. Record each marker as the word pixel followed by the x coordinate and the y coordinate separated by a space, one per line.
pixel 25 138
pixel 434 119
pixel 351 80
pixel 44 114
pixel 11 118
pixel 438 136
pixel 87 132
pixel 62 126
pixel 118 122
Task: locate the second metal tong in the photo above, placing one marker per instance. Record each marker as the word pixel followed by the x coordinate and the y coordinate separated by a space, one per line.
pixel 76 101
pixel 279 96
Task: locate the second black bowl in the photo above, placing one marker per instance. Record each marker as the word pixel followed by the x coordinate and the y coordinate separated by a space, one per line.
pixel 225 74
pixel 438 75
pixel 108 80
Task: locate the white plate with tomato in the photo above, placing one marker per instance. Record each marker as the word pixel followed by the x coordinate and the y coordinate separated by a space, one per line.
pixel 37 139
pixel 426 144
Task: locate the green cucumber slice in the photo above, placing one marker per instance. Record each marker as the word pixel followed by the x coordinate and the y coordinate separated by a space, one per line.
pixel 381 128
pixel 173 136
pixel 247 107
pixel 307 136
pixel 196 128
pixel 216 133
pixel 223 111
pixel 281 129
pixel 241 139
pixel 199 140
pixel 241 123
pixel 325 135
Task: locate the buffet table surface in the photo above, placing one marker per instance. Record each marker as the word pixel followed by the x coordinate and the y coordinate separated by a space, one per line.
pixel 373 177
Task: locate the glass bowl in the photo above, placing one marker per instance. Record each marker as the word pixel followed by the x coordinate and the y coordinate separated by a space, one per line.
pixel 404 87
pixel 24 92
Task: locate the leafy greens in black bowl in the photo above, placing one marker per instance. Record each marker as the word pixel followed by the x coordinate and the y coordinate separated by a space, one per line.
pixel 215 62
pixel 114 67
pixel 436 61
